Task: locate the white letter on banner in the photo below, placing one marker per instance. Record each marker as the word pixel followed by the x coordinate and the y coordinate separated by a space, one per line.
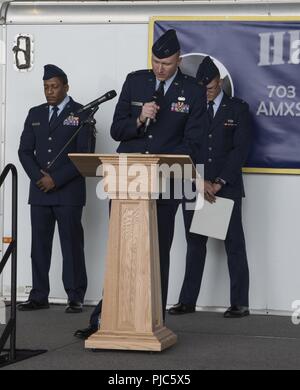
pixel 266 49
pixel 262 109
pixel 295 47
pixel 276 111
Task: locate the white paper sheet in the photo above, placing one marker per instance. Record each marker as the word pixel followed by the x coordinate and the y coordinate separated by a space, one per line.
pixel 212 219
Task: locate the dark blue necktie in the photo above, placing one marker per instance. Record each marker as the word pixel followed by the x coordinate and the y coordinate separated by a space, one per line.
pixel 210 110
pixel 161 89
pixel 160 93
pixel 54 115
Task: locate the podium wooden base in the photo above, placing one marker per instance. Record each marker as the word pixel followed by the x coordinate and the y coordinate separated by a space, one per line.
pixel 131 317
pixel 132 313
pixel 158 341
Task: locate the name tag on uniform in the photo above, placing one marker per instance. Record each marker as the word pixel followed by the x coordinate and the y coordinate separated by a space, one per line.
pixel 230 123
pixel 35 124
pixel 71 121
pixel 180 107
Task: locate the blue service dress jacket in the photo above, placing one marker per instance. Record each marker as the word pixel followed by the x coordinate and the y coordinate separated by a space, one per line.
pixel 226 144
pixel 40 144
pixel 177 126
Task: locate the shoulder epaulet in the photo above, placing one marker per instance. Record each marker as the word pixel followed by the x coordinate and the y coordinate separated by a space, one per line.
pixel 237 100
pixel 190 78
pixel 43 105
pixel 141 72
pixel 186 76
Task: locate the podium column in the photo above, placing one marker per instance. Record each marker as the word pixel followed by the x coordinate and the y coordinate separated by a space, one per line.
pixel 131 317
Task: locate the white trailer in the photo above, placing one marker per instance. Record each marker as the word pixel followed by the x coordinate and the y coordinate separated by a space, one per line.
pixel 97 44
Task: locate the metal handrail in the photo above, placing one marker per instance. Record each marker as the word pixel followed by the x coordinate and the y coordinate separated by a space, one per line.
pixel 10 329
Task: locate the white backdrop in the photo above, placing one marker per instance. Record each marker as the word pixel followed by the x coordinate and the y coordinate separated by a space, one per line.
pixel 97 59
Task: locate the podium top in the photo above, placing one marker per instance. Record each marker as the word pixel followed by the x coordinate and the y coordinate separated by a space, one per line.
pixel 88 163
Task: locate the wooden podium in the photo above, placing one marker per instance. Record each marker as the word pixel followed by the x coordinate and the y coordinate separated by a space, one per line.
pixel 131 317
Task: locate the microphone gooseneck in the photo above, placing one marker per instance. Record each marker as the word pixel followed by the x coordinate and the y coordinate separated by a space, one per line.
pixel 108 96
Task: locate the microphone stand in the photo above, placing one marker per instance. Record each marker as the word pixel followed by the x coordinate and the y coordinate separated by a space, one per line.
pixel 88 121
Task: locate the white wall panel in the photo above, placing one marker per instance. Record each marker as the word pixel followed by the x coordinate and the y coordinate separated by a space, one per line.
pixel 97 59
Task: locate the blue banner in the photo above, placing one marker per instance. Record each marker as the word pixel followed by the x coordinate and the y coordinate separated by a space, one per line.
pixel 259 61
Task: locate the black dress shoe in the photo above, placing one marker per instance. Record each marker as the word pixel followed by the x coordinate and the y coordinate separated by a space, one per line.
pixel 31 305
pixel 85 333
pixel 181 308
pixel 74 307
pixel 237 312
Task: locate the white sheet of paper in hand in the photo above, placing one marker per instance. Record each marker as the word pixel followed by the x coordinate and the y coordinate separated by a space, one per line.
pixel 212 220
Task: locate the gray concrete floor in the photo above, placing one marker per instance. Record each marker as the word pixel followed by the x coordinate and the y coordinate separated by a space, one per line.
pixel 206 341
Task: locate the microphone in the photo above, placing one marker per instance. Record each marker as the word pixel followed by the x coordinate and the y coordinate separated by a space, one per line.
pixel 148 120
pixel 109 95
